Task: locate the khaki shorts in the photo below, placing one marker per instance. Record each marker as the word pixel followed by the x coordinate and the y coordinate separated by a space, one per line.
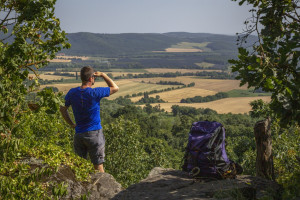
pixel 92 143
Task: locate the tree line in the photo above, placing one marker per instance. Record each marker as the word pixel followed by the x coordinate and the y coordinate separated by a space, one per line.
pixel 200 99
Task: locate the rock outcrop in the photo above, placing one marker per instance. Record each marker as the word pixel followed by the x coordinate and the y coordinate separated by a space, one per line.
pixel 174 184
pixel 160 184
pixel 101 186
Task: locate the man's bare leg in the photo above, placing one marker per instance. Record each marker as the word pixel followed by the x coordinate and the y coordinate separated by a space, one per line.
pixel 99 167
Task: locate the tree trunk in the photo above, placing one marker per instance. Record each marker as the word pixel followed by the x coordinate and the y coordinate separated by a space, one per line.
pixel 264 156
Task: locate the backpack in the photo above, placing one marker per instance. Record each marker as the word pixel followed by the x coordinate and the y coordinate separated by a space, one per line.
pixel 205 154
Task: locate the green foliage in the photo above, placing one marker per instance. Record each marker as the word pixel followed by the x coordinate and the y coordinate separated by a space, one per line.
pixel 287 160
pixel 274 63
pixel 247 93
pixel 30 34
pixel 49 100
pixel 199 99
pixel 125 158
pixel 146 99
pixel 41 137
pixel 260 109
pixel 130 154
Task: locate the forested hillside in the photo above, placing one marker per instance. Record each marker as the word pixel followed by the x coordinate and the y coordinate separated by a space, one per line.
pixel 95 44
pixel 148 50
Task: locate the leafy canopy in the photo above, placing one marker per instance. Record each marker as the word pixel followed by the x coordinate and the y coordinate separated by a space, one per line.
pixel 30 35
pixel 273 63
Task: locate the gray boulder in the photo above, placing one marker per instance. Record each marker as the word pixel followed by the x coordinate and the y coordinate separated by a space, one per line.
pixel 174 184
pixel 101 186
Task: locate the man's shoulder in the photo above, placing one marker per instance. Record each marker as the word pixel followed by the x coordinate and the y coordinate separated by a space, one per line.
pixel 100 88
pixel 101 91
pixel 72 91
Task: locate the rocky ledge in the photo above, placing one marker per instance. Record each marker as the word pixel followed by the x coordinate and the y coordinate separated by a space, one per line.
pixel 174 184
pixel 161 184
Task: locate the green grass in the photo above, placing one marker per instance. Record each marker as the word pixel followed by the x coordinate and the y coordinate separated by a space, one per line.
pixel 246 93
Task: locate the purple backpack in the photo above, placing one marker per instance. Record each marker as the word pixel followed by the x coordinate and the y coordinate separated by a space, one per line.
pixel 205 152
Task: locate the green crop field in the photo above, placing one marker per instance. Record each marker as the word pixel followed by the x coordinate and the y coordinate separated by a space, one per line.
pixel 189 45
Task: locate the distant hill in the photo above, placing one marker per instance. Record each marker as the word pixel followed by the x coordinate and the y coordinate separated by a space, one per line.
pixel 152 50
pixel 92 44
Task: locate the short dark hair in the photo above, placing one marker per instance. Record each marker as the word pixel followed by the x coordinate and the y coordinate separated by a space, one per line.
pixel 86 73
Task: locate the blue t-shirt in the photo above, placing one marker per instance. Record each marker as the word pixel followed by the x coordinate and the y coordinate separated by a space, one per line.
pixel 86 107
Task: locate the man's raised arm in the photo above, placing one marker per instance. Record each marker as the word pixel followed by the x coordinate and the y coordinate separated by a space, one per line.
pixel 113 86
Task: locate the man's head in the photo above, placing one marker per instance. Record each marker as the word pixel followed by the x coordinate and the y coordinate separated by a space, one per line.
pixel 86 73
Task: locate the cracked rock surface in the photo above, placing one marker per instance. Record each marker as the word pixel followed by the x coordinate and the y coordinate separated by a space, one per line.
pixel 174 184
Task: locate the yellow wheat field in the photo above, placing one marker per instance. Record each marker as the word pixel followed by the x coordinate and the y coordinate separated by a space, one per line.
pixel 129 87
pixel 71 57
pixel 126 87
pixel 60 60
pixel 123 73
pixel 203 87
pixel 175 96
pixel 165 70
pixel 66 59
pixel 216 85
pixel 53 77
pixel 228 105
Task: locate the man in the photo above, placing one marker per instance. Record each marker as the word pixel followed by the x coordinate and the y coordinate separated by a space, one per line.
pixel 85 102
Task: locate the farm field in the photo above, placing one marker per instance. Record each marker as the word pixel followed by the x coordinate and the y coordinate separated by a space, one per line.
pixel 57 60
pixel 173 50
pixel 166 70
pixel 71 57
pixel 53 77
pixel 123 73
pixel 203 87
pixel 49 76
pixel 66 59
pixel 127 87
pixel 205 65
pixel 174 96
pixel 187 47
pixel 228 105
pixel 217 85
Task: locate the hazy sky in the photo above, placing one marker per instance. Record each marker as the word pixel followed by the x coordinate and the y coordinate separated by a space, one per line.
pixel 151 16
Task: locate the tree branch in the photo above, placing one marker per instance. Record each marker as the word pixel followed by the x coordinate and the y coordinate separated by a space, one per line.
pixel 292 17
pixel 2 22
pixel 29 64
pixel 5 38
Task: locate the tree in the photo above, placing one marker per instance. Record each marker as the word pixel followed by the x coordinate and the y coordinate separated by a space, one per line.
pixel 30 35
pixel 273 62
